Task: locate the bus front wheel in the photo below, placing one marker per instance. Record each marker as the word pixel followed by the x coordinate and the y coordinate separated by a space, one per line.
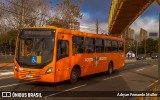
pixel 110 68
pixel 74 75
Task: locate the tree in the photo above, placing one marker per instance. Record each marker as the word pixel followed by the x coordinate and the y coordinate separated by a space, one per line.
pixel 130 45
pixel 151 46
pixel 68 11
pixel 17 14
pixel 21 13
pixel 9 39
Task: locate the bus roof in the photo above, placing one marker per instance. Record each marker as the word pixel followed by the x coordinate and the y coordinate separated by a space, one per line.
pixel 86 34
pixel 78 33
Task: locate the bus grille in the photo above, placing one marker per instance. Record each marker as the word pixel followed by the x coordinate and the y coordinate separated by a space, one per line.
pixel 34 75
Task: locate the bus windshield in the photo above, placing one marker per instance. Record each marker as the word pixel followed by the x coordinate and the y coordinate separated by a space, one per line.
pixel 35 47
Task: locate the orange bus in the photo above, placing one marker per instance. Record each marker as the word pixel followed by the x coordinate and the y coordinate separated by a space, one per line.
pixel 50 54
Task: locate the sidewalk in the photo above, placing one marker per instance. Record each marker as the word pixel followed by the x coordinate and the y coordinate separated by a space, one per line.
pixel 130 60
pixel 134 60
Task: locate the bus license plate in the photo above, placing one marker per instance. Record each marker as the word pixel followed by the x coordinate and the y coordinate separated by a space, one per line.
pixel 29 75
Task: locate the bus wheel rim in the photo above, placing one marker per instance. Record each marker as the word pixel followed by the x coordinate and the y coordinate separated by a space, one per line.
pixel 110 69
pixel 74 76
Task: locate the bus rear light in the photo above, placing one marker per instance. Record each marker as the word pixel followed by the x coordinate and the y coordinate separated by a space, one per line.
pixel 49 70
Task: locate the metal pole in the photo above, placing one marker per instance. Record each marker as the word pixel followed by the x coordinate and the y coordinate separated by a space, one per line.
pixel 145 47
pixel 97 26
pixel 137 48
pixel 159 51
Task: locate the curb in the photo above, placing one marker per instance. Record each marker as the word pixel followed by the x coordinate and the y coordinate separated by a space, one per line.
pixel 128 61
pixel 134 60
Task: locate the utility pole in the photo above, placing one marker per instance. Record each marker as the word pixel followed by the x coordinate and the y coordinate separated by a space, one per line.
pixel 145 46
pixel 97 26
pixel 159 50
pixel 137 49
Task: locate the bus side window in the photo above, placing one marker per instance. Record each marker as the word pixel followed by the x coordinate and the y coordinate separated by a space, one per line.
pixel 90 45
pixel 107 46
pixel 62 49
pixel 99 46
pixel 77 44
pixel 120 46
pixel 114 46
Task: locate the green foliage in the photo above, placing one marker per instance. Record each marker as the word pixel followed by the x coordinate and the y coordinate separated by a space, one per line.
pixel 151 46
pixel 12 36
pixel 3 38
pixel 9 40
pixel 130 45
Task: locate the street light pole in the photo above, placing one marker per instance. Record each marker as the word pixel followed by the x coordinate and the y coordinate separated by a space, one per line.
pixel 97 26
pixel 137 48
pixel 159 51
pixel 145 47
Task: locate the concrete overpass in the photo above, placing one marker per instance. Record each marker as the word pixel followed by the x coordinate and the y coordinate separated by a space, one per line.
pixel 158 1
pixel 123 13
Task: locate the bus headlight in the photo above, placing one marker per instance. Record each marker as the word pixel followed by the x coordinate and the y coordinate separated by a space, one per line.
pixel 16 68
pixel 49 70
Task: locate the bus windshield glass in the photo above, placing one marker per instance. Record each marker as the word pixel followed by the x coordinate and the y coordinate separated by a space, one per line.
pixel 35 46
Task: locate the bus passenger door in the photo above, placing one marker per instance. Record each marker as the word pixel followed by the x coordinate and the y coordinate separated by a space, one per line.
pixel 121 59
pixel 121 55
pixel 62 71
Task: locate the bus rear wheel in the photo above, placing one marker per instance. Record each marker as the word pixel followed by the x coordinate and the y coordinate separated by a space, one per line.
pixel 110 68
pixel 74 75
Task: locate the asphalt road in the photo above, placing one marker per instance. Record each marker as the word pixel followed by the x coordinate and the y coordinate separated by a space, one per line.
pixel 134 76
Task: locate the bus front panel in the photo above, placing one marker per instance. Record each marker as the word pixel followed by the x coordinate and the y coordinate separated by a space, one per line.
pixel 34 57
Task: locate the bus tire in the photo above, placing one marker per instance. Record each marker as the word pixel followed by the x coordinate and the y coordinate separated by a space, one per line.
pixel 110 68
pixel 74 75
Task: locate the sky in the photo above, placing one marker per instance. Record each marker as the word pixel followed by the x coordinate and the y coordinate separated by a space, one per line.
pixel 99 9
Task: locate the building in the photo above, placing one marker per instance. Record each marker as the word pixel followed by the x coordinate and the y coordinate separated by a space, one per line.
pixel 129 34
pixel 143 34
pixel 153 35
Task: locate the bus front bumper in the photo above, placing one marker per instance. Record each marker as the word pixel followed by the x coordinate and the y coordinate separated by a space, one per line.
pixel 34 76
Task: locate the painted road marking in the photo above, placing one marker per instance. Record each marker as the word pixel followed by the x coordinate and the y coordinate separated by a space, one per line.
pixel 14 84
pixel 154 66
pixel 112 77
pixel 66 90
pixel 152 83
pixel 139 69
